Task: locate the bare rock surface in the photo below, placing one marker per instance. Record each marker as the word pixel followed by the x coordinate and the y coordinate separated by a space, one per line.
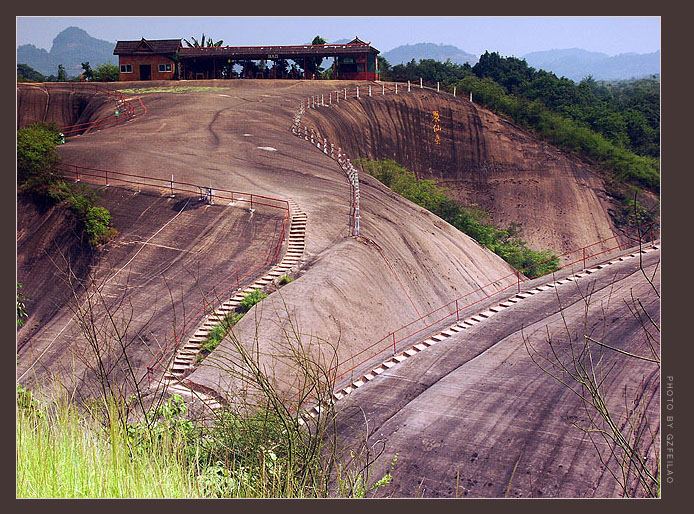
pixel 483 159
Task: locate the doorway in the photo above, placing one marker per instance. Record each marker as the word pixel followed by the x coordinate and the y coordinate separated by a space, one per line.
pixel 145 72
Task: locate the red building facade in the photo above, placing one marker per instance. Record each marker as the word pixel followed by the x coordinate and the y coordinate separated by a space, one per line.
pixel 148 60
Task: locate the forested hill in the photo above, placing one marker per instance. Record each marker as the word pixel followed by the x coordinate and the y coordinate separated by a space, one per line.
pixel 615 125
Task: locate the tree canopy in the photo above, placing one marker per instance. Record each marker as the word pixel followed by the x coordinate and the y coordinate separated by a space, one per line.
pixel 203 42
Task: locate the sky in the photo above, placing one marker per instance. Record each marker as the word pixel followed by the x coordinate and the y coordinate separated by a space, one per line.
pixel 510 36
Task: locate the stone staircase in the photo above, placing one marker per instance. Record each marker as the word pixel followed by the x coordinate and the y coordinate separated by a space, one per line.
pixel 185 357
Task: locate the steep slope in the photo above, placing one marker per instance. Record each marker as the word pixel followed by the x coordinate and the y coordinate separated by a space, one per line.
pixel 475 416
pixel 350 293
pixel 62 103
pixel 559 201
pixel 141 290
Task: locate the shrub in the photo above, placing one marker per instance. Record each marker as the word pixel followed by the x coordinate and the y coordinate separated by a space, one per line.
pixel 285 279
pixel 250 300
pixel 96 223
pixel 36 155
pixel 36 174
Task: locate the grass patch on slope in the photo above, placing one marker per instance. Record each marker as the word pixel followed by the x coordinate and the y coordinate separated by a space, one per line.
pixel 251 451
pixel 220 330
pixel 62 453
pixel 472 221
pixel 171 89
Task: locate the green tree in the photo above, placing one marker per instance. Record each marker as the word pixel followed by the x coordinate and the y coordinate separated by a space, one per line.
pixel 313 63
pixel 107 73
pixel 62 74
pixel 26 73
pixel 384 68
pixel 88 73
pixel 36 155
pixel 203 42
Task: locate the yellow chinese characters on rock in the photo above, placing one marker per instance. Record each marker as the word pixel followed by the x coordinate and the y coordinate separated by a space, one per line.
pixel 437 127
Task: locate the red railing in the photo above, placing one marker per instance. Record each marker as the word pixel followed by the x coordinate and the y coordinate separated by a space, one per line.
pixel 455 306
pixel 126 111
pixel 389 342
pixel 110 178
pixel 206 304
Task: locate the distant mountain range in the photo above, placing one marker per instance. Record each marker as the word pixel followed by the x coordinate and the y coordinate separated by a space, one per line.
pixel 74 46
pixel 405 53
pixel 71 48
pixel 577 64
pixel 573 63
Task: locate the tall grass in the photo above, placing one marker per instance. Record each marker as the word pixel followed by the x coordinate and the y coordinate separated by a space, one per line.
pixel 62 453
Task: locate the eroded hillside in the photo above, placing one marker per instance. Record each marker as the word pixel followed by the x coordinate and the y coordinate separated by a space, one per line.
pixel 483 159
pixel 349 292
pixel 64 104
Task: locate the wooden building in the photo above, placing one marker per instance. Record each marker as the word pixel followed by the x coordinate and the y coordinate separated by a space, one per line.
pixel 169 60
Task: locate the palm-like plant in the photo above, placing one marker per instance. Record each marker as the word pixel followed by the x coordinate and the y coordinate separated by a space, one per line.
pixel 203 42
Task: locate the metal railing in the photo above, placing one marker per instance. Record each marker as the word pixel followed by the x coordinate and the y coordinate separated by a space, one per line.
pixel 233 281
pixel 125 111
pixel 109 177
pixel 388 343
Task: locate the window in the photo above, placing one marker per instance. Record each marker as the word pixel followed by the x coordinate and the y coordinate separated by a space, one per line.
pixel 126 68
pixel 163 68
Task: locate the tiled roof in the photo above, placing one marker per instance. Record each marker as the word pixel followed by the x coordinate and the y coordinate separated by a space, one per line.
pixel 281 52
pixel 144 46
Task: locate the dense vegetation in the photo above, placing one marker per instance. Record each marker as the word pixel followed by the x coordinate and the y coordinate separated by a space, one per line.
pixel 616 125
pixel 103 73
pixel 36 174
pixel 471 220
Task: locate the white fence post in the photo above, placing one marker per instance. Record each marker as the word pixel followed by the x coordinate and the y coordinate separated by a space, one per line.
pixel 453 90
pixel 438 88
pixel 384 88
pixel 396 88
pixel 420 83
pixel 345 93
pixel 357 91
pixel 470 96
pixel 369 89
pixel 408 86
